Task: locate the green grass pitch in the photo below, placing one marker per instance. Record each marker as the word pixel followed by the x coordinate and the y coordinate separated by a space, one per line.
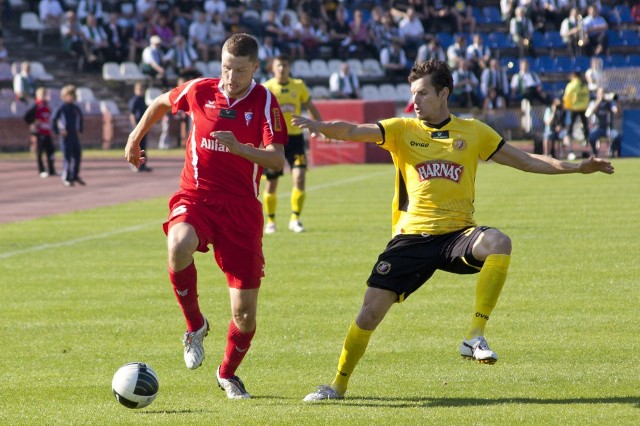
pixel 83 293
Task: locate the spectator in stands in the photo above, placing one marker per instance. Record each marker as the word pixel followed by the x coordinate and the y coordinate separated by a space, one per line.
pixel 51 13
pixel 199 32
pixel 117 39
pixel 394 61
pixel 137 108
pixel 384 31
pixel 145 8
pixel 73 38
pixel 90 7
pixel 278 6
pixel 463 13
pixel 361 45
pixel 571 32
pixel 163 29
pixel 431 49
pixel 314 9
pixel 24 84
pixel 603 108
pixel 507 9
pixel 465 86
pixel 339 33
pixel 595 28
pixel 138 40
pixel 576 102
pixel 4 53
pixel 182 58
pixel 306 33
pixel 555 130
pixel 521 30
pixel 344 84
pixel 411 32
pixel 457 51
pixel 41 129
pixel 495 77
pixel 266 52
pixel 478 54
pixel 493 102
pixel 635 12
pixel 96 43
pixel 441 16
pixel 67 122
pixel 293 45
pixel 153 60
pixel 594 76
pixel 526 84
pixel 212 7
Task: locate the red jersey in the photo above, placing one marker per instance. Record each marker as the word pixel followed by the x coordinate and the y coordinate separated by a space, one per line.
pixel 255 119
pixel 43 114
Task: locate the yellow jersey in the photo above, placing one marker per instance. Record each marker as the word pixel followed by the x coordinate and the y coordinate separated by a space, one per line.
pixel 576 96
pixel 435 171
pixel 291 96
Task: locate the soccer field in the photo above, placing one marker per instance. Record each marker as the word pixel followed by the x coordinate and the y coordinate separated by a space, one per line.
pixel 83 293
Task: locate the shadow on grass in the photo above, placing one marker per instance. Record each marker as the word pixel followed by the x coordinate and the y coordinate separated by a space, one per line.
pixel 471 402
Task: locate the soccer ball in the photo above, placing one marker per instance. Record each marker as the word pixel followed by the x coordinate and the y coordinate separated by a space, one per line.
pixel 135 385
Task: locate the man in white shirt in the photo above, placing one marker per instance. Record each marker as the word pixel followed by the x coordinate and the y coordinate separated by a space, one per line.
pixel 183 59
pixel 527 85
pixel 411 30
pixel 51 13
pixel 344 84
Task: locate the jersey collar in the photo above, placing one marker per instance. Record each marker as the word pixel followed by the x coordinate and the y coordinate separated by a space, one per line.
pixel 438 126
pixel 230 105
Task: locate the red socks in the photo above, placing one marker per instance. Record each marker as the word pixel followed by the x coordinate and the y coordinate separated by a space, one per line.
pixel 185 288
pixel 238 344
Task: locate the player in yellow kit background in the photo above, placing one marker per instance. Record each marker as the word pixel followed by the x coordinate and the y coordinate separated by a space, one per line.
pixel 435 156
pixel 293 96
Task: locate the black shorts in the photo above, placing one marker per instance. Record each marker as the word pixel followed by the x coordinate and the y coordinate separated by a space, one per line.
pixel 410 260
pixel 295 153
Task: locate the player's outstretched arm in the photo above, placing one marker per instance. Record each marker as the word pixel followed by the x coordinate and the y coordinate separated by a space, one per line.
pixel 340 130
pixel 158 108
pixel 271 156
pixel 518 159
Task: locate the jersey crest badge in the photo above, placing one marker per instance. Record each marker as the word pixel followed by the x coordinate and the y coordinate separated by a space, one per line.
pixel 459 144
pixel 383 267
pixel 247 117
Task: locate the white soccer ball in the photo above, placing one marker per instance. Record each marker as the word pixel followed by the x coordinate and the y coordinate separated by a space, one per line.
pixel 135 385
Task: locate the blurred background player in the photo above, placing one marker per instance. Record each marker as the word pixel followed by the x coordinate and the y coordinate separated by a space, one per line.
pixel 292 95
pixel 137 108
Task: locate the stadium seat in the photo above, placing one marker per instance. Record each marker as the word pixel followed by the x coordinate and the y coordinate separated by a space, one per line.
pixel 334 65
pixel 39 72
pixel 5 72
pixel 388 92
pixel 91 107
pixel 633 61
pixel 355 66
pixel 29 21
pixel 109 106
pixel 581 63
pixel 615 40
pixel 111 71
pixel 445 40
pixel 85 94
pixel 370 92
pixel 320 92
pixel 545 64
pixel 202 68
pixel 630 38
pixel 215 68
pixel 492 15
pixel 151 93
pixel 130 71
pixel 564 64
pixel 615 61
pixel 553 40
pixel 371 68
pixel 499 40
pixel 301 69
pixel 625 14
pixel 403 92
pixel 320 68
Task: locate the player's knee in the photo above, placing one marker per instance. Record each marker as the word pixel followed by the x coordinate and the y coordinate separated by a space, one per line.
pixel 493 242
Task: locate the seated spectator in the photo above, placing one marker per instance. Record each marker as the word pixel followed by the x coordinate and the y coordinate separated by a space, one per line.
pixel 200 36
pixel 553 12
pixel 89 7
pixel 431 50
pixel 521 30
pixel 306 33
pixel 384 31
pixel 465 86
pixel 344 84
pixel 138 40
pixel 571 32
pixel 526 84
pixel 293 45
pixel 411 32
pixel 463 13
pixel 507 9
pixel 478 55
pixel 24 84
pixel 266 52
pixel 163 29
pixel 212 7
pixel 603 108
pixel 361 45
pixel 72 37
pixel 145 9
pixel 153 60
pixel 635 12
pixel 394 61
pixel 494 77
pixel 117 39
pixel 493 101
pixel 96 42
pixel 182 58
pixel 272 28
pixel 442 18
pixel 457 51
pixel 51 13
pixel 595 28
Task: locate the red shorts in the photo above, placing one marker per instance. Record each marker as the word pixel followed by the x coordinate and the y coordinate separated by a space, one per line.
pixel 233 225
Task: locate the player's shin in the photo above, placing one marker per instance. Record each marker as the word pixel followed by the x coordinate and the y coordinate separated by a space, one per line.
pixel 490 282
pixel 355 345
pixel 185 289
pixel 297 202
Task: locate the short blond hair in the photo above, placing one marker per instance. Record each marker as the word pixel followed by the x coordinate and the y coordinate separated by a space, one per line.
pixel 69 89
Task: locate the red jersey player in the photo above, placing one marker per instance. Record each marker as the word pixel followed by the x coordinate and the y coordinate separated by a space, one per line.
pixel 237 130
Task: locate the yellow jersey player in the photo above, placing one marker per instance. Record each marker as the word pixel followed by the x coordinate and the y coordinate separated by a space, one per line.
pixel 293 95
pixel 435 155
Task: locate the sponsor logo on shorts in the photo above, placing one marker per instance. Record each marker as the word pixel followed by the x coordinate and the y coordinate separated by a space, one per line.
pixel 383 267
pixel 178 211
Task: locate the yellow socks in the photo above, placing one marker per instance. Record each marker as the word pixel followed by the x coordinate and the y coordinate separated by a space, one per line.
pixel 490 282
pixel 297 201
pixel 355 344
pixel 270 203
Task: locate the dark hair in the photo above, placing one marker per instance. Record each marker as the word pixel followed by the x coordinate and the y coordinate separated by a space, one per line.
pixel 283 57
pixel 242 44
pixel 438 70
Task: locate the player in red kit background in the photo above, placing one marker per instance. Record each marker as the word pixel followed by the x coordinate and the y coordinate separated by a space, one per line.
pixel 237 131
pixel 42 131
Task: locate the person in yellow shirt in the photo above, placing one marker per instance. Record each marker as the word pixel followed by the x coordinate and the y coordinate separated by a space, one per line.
pixel 292 95
pixel 576 101
pixel 435 156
